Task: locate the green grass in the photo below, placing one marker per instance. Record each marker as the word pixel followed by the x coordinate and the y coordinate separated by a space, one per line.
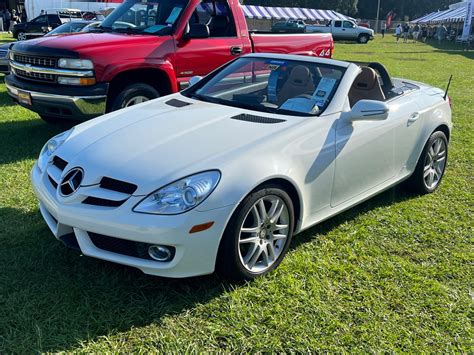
pixel 394 274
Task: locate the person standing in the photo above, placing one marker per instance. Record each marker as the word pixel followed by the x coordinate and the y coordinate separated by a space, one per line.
pixel 8 18
pixel 384 29
pixel 406 32
pixel 15 19
pixel 398 32
pixel 441 33
pixel 424 33
pixel 416 33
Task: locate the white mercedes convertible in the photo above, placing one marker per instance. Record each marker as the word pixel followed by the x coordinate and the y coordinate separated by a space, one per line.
pixel 221 176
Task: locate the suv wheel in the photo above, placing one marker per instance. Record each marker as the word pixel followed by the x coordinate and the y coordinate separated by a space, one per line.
pixel 363 39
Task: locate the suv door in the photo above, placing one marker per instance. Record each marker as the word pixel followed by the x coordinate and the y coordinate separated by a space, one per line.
pixel 35 28
pixel 200 56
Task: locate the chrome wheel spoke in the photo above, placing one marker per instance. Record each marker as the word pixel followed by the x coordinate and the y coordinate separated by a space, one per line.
pixel 262 210
pixel 279 236
pixel 249 240
pixel 427 172
pixel 250 230
pixel 271 251
pixel 254 257
pixel 279 227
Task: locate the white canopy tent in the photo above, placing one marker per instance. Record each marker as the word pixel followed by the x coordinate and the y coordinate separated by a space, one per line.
pixel 456 13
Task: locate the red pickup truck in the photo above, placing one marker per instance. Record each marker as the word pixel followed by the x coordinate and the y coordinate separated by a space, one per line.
pixel 144 49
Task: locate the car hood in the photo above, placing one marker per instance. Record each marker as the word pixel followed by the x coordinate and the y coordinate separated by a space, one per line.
pixel 154 144
pixel 80 42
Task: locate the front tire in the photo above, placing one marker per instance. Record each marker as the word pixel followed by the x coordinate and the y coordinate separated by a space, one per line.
pixel 363 39
pixel 431 167
pixel 133 95
pixel 258 234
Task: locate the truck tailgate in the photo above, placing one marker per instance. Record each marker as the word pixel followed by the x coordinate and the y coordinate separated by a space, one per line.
pixel 313 44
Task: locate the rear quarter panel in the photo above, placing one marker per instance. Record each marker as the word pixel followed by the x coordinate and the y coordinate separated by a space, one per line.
pixel 312 44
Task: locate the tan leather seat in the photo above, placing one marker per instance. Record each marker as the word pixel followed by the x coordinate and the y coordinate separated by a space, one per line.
pixel 299 82
pixel 366 87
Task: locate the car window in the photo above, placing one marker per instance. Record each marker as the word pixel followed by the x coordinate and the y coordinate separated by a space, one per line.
pixel 53 19
pixel 292 87
pixel 217 16
pixel 40 20
pixel 348 24
pixel 337 23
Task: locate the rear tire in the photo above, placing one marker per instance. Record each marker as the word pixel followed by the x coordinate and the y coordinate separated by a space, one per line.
pixel 21 36
pixel 134 94
pixel 258 235
pixel 431 166
pixel 363 39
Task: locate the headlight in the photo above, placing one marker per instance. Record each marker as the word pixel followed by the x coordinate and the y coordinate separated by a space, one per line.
pixel 50 147
pixel 75 63
pixel 180 196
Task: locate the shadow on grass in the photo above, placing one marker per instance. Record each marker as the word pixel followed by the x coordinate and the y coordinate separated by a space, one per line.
pixel 24 139
pixel 57 298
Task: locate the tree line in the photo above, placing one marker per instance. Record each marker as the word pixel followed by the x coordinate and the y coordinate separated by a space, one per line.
pixel 366 9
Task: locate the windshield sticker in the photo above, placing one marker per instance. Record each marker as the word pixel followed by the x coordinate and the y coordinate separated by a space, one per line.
pixel 174 15
pixel 324 90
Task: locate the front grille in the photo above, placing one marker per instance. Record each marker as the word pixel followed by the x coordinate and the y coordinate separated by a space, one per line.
pixel 59 163
pixel 36 61
pixel 118 186
pixel 35 76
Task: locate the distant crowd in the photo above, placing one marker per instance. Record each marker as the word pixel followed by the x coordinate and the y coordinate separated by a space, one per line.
pixel 10 19
pixel 416 32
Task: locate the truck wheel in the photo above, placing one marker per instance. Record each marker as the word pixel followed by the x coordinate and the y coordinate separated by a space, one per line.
pixel 133 95
pixel 21 36
pixel 364 39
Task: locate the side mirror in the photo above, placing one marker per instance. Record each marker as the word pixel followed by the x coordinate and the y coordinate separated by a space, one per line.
pixel 196 30
pixel 369 110
pixel 194 80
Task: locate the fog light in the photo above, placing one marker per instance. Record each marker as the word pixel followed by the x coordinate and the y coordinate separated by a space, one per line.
pixel 160 253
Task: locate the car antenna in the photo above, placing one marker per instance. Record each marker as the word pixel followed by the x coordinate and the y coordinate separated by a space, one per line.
pixel 447 89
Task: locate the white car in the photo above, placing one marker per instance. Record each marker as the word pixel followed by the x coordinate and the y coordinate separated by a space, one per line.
pixel 221 176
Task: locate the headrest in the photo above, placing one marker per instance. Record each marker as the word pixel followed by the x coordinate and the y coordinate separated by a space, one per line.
pixel 366 80
pixel 219 21
pixel 300 76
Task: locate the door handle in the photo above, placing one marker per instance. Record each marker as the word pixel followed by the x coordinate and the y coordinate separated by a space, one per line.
pixel 236 50
pixel 414 117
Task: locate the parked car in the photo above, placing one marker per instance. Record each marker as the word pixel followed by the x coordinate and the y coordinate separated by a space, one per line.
pixel 86 74
pixel 221 176
pixel 344 30
pixel 42 24
pixel 290 26
pixel 4 60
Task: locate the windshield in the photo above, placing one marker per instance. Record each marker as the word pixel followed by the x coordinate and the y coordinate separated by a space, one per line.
pixel 70 27
pixel 293 87
pixel 145 16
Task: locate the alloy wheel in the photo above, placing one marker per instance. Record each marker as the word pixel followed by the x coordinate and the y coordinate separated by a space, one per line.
pixel 435 163
pixel 136 100
pixel 263 234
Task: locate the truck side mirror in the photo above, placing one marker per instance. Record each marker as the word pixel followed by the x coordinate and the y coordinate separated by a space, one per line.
pixel 369 110
pixel 196 30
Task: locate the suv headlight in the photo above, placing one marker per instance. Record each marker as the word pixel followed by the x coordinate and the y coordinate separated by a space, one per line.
pixel 68 63
pixel 180 196
pixel 50 147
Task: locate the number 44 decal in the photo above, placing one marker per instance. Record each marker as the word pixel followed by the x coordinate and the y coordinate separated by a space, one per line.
pixel 325 53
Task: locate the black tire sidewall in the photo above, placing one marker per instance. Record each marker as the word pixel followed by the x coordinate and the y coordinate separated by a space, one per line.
pixel 131 91
pixel 229 263
pixel 417 181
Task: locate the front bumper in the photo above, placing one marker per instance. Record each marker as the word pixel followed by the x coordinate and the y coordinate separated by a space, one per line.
pixel 76 225
pixel 59 101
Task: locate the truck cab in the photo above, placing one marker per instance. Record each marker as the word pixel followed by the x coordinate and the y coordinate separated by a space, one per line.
pixel 345 30
pixel 143 50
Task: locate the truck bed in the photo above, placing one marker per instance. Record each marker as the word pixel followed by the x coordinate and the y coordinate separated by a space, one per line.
pixel 313 44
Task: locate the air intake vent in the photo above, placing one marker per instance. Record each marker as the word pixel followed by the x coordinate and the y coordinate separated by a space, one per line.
pixel 59 163
pixel 177 103
pixel 257 119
